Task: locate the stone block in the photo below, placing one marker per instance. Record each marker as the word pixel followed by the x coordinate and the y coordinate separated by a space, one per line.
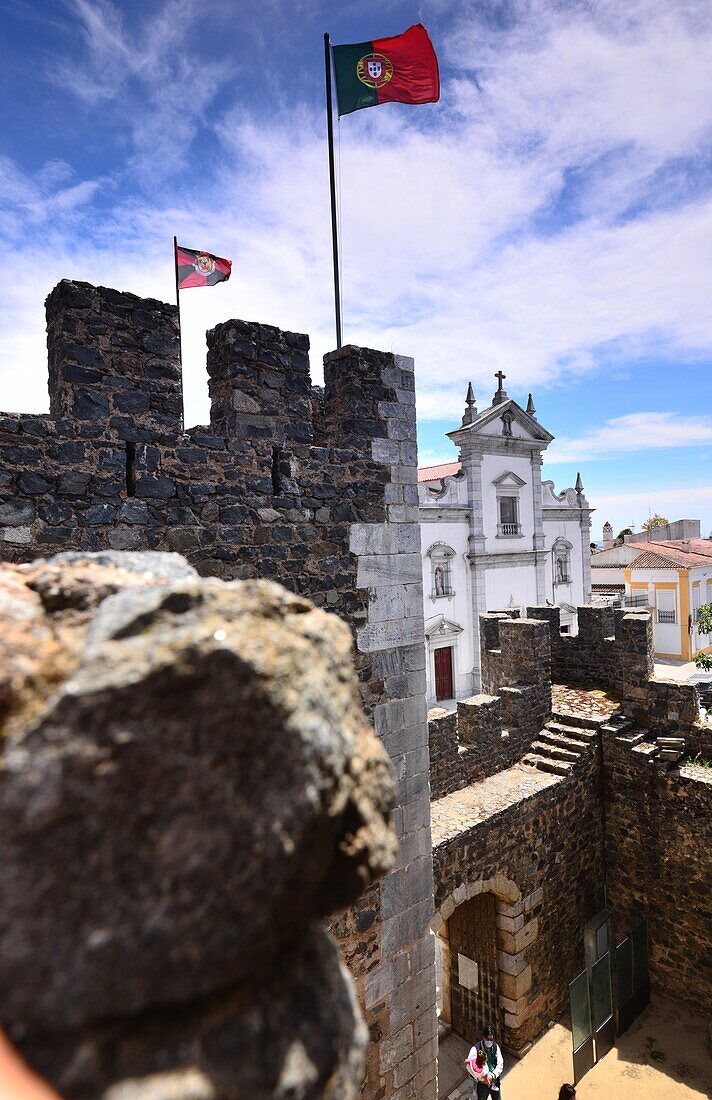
pixel 395 1048
pixel 402 931
pixel 511 963
pixel 514 942
pixel 510 924
pixel 514 986
pixel 535 898
pixel 383 569
pixel 384 978
pixel 409 1000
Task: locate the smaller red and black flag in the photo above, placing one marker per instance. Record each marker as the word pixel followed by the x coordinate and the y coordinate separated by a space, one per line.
pixel 200 268
pixel 401 69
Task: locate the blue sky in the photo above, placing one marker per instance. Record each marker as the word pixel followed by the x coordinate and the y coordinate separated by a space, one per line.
pixel 551 217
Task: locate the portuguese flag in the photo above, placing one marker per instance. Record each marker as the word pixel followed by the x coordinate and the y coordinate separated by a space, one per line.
pixel 195 268
pixel 402 69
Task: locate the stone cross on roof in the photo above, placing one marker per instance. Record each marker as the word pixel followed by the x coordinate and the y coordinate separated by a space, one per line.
pixel 501 394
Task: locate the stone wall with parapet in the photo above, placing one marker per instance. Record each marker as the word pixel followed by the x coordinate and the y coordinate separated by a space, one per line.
pixel 614 650
pixel 317 490
pixel 490 732
pixel 659 860
pixel 539 851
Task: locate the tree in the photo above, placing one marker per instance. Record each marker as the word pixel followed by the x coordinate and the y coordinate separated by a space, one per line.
pixel 620 537
pixel 655 521
pixel 704 625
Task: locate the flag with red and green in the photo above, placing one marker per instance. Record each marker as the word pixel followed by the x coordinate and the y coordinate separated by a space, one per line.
pixel 401 69
pixel 194 268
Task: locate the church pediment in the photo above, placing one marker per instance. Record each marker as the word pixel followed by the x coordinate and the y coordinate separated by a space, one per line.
pixel 506 420
pixel 440 627
pixel 509 480
pixel 510 420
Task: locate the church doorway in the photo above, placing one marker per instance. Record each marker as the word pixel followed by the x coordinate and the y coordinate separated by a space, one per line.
pixel 443 673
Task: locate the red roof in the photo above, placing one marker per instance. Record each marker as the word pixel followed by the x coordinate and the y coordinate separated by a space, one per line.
pixel 675 554
pixel 437 473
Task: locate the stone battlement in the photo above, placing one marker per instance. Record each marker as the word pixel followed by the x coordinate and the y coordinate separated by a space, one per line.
pixel 280 463
pixel 491 731
pixel 614 650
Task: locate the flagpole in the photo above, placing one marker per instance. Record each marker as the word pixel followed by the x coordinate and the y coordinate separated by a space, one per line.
pixel 332 182
pixel 175 264
pixel 180 331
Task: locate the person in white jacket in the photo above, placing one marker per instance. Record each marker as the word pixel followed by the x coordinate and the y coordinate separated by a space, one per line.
pixel 495 1065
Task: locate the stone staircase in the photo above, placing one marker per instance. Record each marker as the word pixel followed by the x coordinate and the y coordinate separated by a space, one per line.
pixel 563 741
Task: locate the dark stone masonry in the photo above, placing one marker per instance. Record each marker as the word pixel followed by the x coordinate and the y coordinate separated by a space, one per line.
pixel 516 812
pixel 535 810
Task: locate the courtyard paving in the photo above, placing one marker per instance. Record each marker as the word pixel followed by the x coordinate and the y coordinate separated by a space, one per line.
pixel 583 702
pixel 663 1054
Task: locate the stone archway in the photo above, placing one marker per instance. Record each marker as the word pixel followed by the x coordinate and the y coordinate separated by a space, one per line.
pixel 516 932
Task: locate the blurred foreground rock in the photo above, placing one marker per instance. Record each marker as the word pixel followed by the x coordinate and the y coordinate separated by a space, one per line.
pixel 187 785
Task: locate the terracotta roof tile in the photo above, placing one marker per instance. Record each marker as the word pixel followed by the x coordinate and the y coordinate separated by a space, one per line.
pixel 685 554
pixel 437 473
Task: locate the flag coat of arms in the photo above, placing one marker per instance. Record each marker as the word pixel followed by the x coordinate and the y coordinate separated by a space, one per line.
pixel 401 69
pixel 196 268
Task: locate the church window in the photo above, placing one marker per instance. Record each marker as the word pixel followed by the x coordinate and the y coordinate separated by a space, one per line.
pixel 508 515
pixel 562 562
pixel 441 557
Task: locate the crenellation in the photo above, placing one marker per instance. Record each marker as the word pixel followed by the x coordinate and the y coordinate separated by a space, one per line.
pixel 113 357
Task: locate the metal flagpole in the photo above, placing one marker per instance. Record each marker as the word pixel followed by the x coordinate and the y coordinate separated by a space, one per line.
pixel 175 264
pixel 334 230
pixel 180 330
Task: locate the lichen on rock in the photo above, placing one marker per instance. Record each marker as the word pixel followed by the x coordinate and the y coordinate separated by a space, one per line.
pixel 187 785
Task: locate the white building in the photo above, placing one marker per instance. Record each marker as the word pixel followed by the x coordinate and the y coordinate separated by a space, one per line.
pixel 495 536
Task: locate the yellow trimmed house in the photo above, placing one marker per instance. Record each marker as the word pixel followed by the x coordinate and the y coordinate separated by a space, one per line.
pixel 674 579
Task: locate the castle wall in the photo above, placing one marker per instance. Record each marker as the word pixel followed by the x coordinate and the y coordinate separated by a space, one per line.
pixel 659 860
pixel 490 732
pixel 316 491
pixel 539 851
pixel 614 650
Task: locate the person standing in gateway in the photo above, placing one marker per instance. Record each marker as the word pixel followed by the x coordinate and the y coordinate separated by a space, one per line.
pixel 495 1065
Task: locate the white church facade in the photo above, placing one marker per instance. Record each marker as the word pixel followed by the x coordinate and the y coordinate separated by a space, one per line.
pixel 493 536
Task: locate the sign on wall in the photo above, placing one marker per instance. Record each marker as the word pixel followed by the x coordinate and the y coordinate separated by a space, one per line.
pixel 467 973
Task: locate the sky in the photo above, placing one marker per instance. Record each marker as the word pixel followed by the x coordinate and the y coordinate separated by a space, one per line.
pixel 550 217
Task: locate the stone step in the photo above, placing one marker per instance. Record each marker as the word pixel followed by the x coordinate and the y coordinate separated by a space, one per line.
pixel 556 752
pixel 670 754
pixel 562 742
pixel 577 720
pixel 576 733
pixel 545 764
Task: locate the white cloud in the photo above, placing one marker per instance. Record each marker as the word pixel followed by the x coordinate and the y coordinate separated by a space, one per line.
pixel 634 508
pixel 154 80
pixel 641 431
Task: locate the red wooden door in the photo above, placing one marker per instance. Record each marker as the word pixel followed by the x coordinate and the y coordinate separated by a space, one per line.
pixel 443 673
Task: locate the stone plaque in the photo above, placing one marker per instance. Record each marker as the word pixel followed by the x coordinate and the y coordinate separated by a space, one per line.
pixel 467 974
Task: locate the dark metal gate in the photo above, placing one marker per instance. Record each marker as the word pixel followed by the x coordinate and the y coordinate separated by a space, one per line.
pixel 632 981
